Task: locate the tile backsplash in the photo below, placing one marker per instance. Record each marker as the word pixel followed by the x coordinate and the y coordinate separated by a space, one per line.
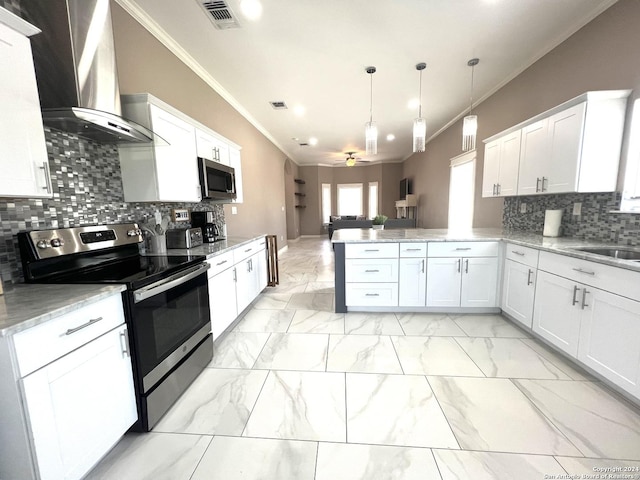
pixel 87 190
pixel 595 222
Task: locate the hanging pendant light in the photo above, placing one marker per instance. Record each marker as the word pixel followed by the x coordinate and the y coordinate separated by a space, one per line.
pixel 419 124
pixel 470 122
pixel 370 128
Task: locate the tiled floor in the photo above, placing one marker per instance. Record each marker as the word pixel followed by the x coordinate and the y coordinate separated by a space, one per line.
pixel 299 392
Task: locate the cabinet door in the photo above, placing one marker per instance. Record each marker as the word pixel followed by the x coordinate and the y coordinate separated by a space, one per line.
pixel 236 163
pixel 609 336
pixel 222 301
pixel 80 405
pixel 479 278
pixel 412 284
pixel 491 168
pixel 565 136
pixel 24 167
pixel 443 282
pixel 176 165
pixel 556 311
pixel 245 284
pixel 509 164
pixel 518 291
pixel 533 157
pixel 205 145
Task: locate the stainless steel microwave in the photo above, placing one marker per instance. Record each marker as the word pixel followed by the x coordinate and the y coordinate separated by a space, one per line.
pixel 217 181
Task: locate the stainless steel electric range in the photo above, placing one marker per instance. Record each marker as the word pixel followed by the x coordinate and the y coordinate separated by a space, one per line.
pixel 166 302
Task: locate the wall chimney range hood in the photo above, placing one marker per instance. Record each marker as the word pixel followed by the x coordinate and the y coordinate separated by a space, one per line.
pixel 75 65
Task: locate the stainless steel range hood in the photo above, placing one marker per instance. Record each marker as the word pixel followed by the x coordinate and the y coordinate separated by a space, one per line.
pixel 76 70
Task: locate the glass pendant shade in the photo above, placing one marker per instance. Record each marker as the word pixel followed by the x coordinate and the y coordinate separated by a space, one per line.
pixel 469 129
pixel 351 162
pixel 419 134
pixel 371 138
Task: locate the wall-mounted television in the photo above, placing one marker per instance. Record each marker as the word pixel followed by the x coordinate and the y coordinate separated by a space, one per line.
pixel 406 188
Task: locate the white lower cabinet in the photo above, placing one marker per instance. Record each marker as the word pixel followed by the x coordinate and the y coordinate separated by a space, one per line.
pixel 222 301
pixel 462 282
pixel 371 294
pixel 443 282
pixel 371 275
pixel 518 291
pixel 412 282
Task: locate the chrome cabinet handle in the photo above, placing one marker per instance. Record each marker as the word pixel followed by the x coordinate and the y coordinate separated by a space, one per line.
pixel 423 265
pixel 47 177
pixel 494 190
pixel 459 264
pixel 221 263
pixel 371 294
pixel 587 272
pixel 235 274
pixel 84 325
pixel 372 250
pixel 371 271
pixel 538 184
pixel 575 290
pixel 518 253
pixel 529 282
pixel 466 266
pixel 248 250
pixel 412 250
pixel 460 249
pixel 124 342
pixel 498 189
pixel 584 298
pixel 543 180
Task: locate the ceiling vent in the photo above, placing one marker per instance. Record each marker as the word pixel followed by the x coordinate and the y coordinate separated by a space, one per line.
pixel 220 14
pixel 279 105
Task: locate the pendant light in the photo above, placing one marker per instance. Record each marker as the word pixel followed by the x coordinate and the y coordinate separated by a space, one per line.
pixel 470 122
pixel 419 124
pixel 370 128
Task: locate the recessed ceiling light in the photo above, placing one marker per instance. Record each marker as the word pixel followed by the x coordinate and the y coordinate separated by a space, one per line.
pixel 413 103
pixel 391 137
pixel 299 110
pixel 313 141
pixel 251 9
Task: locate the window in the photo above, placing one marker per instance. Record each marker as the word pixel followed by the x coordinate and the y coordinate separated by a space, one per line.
pixel 326 202
pixel 373 199
pixel 461 191
pixel 350 199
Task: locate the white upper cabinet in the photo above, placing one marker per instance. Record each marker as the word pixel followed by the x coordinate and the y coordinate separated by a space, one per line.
pixel 24 167
pixel 235 161
pixel 501 158
pixel 533 157
pixel 211 147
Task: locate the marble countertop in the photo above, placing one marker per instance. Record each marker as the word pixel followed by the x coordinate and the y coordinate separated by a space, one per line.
pixel 28 305
pixel 212 249
pixel 560 245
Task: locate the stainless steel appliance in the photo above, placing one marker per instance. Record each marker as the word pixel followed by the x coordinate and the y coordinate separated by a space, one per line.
pixel 184 238
pixel 206 221
pixel 166 302
pixel 218 181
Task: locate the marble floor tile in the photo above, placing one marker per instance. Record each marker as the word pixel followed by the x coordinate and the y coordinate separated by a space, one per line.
pixel 314 321
pixel 294 351
pixel 488 326
pixel 509 358
pixel 265 321
pixel 287 277
pixel 434 356
pixel 372 324
pixel 596 422
pixel 284 288
pixel 344 461
pixel 362 354
pixel 232 458
pixel 311 301
pixel 272 301
pixel 218 402
pixel 566 365
pixel 152 456
pixel 238 349
pixel 325 275
pixel 461 464
pixel 320 287
pixel 433 324
pixel 583 467
pixel 492 414
pixel 300 405
pixel 395 410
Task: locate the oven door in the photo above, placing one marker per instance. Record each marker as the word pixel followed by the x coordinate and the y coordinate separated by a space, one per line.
pixel 169 319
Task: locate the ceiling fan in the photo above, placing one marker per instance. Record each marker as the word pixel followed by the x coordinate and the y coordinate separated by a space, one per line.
pixel 350 161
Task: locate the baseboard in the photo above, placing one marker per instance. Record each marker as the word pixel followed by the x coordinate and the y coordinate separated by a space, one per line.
pixel 283 249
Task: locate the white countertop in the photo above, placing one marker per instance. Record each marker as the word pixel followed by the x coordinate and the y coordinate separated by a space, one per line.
pixel 560 245
pixel 212 249
pixel 27 305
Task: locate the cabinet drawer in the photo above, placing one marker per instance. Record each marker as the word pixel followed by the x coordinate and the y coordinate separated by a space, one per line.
pixel 246 250
pixel 520 254
pixel 379 270
pixel 44 343
pixel 415 250
pixel 612 279
pixel 463 249
pixel 220 263
pixel 371 294
pixel 371 250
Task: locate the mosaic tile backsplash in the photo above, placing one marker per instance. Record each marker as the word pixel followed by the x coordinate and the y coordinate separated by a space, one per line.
pixel 596 222
pixel 87 190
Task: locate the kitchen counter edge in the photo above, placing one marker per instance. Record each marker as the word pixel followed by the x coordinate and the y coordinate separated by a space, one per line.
pixel 210 250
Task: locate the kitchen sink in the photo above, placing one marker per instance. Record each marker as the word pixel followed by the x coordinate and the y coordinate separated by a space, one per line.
pixel 621 253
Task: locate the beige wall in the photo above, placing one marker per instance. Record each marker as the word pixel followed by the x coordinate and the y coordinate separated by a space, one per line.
pixel 602 55
pixel 145 65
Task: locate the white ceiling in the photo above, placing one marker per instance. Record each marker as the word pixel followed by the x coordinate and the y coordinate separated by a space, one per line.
pixel 313 53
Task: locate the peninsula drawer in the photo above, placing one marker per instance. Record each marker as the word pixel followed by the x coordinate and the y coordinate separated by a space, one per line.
pixel 463 249
pixel 219 263
pixel 612 279
pixel 371 250
pixel 526 255
pixel 371 294
pixel 413 250
pixel 44 343
pixel 246 250
pixel 377 270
